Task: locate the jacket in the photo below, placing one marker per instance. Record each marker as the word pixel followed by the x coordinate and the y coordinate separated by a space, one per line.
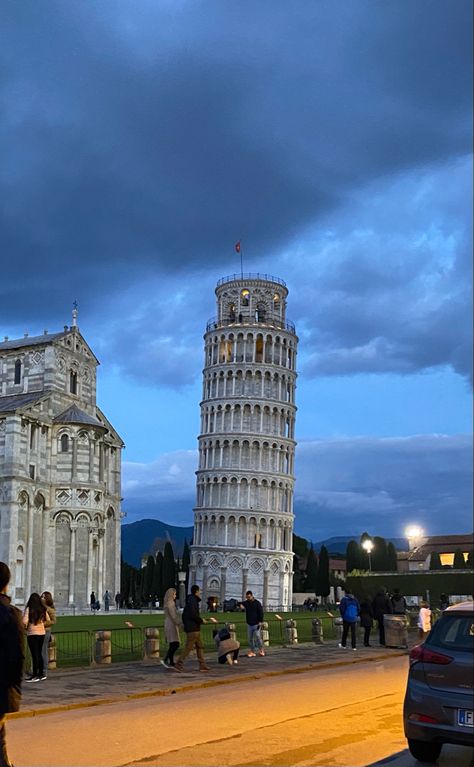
pixel 191 618
pixel 172 618
pixel 225 646
pixel 343 607
pixel 381 606
pixel 399 604
pixel 366 614
pixel 11 656
pixel 253 611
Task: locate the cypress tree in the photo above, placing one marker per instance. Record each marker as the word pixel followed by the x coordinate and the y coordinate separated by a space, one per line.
pixel 363 557
pixel 379 554
pixel 322 583
pixel 158 577
pixel 469 561
pixel 169 570
pixel 148 578
pixel 311 571
pixel 435 561
pixel 352 556
pixel 459 563
pixel 392 557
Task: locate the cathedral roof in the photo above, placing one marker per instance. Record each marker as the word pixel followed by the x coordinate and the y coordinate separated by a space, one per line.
pixel 74 414
pixel 13 402
pixel 18 343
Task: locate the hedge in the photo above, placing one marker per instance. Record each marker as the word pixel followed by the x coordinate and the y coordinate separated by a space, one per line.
pixel 414 584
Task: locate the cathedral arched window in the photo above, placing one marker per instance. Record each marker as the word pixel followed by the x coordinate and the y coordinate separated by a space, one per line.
pixel 73 382
pixel 64 443
pixel 18 371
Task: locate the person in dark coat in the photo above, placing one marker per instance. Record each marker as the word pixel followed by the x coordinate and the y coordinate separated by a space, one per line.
pixel 192 627
pixel 366 618
pixel 381 606
pixel 11 659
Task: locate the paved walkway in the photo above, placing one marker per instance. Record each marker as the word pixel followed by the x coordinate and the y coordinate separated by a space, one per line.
pixel 100 685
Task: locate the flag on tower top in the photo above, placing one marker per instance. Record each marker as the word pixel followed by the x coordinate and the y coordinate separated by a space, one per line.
pixel 237 246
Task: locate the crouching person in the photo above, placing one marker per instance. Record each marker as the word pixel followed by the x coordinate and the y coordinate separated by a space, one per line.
pixel 227 648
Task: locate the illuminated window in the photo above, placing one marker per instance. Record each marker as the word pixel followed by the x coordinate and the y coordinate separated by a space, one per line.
pixel 447 559
pixel 245 297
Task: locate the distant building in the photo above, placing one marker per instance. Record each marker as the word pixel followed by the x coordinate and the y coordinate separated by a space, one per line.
pixel 243 520
pixel 60 471
pixel 445 545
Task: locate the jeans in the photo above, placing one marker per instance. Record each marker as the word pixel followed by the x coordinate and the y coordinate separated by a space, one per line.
pixel 346 626
pixel 254 637
pixel 35 643
pixel 193 641
pixel 367 634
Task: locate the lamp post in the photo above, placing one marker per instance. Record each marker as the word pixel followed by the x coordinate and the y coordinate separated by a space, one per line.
pixel 182 588
pixel 368 546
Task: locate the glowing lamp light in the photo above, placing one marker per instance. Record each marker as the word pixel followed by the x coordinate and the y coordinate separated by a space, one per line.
pixel 368 546
pixel 414 531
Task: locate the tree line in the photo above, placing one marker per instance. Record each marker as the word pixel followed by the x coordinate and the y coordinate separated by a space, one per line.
pixel 383 557
pixel 148 584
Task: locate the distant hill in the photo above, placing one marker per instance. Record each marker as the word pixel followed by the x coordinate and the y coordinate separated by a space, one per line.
pixel 141 537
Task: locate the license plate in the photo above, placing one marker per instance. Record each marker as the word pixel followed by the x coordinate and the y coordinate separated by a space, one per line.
pixel 465 717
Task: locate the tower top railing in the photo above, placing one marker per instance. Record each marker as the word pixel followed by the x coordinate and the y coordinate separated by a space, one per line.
pixel 250 276
pixel 270 322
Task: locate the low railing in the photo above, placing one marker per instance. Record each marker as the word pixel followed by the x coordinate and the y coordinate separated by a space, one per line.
pixel 269 322
pixel 251 276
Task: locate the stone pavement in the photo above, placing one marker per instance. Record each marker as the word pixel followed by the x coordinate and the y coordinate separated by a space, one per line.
pixel 100 685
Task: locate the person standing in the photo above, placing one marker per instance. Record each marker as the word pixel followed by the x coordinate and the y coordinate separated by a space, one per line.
pixel 173 623
pixel 381 606
pixel 254 617
pixel 11 659
pixel 92 600
pixel 118 599
pixel 192 626
pixel 34 619
pixel 424 620
pixel 350 611
pixel 47 599
pixel 106 601
pixel 399 603
pixel 366 619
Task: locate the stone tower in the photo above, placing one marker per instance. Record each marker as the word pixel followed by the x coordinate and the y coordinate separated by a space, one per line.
pixel 243 520
pixel 60 471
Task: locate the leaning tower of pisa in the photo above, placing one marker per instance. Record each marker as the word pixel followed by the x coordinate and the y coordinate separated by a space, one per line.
pixel 243 520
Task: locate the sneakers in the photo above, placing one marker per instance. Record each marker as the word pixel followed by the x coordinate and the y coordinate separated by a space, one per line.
pixel 42 678
pixel 178 666
pixel 204 668
pixel 251 654
pixel 261 652
pixel 342 646
pixel 163 663
pixel 33 679
pixel 235 662
pixel 354 649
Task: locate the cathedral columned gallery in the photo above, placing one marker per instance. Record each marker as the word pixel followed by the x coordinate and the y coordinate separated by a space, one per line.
pixel 60 471
pixel 243 520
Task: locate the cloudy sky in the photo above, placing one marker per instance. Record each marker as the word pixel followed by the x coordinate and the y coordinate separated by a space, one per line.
pixel 140 140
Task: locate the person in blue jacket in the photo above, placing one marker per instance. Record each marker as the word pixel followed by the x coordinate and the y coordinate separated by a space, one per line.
pixel 350 611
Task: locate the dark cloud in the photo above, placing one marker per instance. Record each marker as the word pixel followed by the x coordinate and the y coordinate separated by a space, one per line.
pixel 152 137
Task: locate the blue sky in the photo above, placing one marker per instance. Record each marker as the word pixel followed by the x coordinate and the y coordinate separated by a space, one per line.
pixel 140 141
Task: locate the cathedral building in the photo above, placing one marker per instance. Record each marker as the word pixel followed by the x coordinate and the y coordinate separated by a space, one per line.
pixel 243 520
pixel 60 471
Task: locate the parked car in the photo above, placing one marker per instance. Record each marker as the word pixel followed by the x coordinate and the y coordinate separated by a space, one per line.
pixel 231 605
pixel 439 699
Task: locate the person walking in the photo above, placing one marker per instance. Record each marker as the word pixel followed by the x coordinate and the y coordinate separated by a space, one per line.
pixel 381 606
pixel 173 623
pixel 227 648
pixel 47 600
pixel 424 620
pixel 34 619
pixel 254 617
pixel 399 603
pixel 192 626
pixel 350 611
pixel 92 600
pixel 106 601
pixel 366 619
pixel 118 599
pixel 11 659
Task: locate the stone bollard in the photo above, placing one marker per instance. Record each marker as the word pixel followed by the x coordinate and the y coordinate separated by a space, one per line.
pixel 103 647
pixel 265 634
pixel 232 631
pixel 317 631
pixel 152 642
pixel 338 627
pixel 291 632
pixel 52 658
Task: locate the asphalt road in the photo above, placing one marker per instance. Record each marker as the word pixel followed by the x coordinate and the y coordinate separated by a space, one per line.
pixel 344 717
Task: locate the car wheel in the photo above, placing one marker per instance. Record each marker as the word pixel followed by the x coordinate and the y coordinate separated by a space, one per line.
pixel 423 750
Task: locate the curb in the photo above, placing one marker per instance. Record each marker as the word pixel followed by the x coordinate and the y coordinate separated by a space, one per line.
pixel 199 685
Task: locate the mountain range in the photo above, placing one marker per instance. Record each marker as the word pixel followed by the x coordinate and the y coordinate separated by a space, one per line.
pixel 147 536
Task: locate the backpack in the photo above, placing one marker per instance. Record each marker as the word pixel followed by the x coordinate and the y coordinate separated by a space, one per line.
pixel 350 613
pixel 399 605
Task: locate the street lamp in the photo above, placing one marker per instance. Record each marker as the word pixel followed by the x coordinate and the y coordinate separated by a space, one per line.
pixel 368 546
pixel 182 587
pixel 414 533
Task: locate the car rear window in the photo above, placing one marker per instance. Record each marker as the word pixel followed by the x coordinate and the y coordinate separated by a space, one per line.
pixel 455 632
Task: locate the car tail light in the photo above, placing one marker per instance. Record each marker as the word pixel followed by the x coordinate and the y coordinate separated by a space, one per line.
pixel 422 718
pixel 422 654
